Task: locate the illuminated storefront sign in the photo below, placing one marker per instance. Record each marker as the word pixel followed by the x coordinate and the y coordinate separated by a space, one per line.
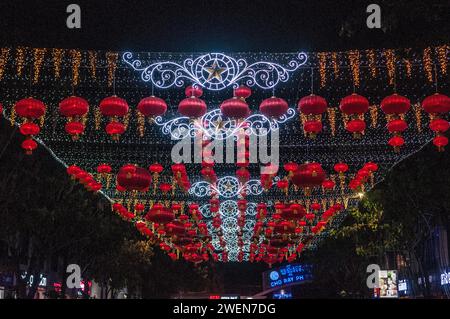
pixel 290 274
pixel 282 294
pixel 445 278
pixel 388 284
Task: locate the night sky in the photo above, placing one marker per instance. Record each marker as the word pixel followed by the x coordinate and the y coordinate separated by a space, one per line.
pixel 257 25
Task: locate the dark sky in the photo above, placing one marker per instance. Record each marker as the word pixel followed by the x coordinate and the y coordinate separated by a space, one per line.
pixel 256 25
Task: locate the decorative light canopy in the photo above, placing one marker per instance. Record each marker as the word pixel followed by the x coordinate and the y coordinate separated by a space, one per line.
pixel 116 138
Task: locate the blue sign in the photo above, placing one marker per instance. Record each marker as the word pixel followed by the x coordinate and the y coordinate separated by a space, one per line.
pixel 286 275
pixel 282 294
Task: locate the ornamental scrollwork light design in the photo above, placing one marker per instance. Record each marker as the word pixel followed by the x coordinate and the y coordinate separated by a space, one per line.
pixel 226 187
pixel 215 71
pixel 213 125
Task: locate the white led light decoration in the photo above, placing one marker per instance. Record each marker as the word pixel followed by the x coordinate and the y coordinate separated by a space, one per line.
pixel 213 125
pixel 215 71
pixel 226 187
pixel 229 213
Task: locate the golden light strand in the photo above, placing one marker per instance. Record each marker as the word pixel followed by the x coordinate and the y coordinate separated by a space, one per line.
pixel 442 58
pixel 334 61
pixel 373 116
pixel 427 64
pixel 332 119
pixel 126 120
pixel 93 64
pixel 141 123
pixel 20 60
pixel 97 118
pixel 353 57
pixel 12 117
pixel 408 67
pixel 322 57
pixel 372 62
pixel 38 58
pixel 390 64
pixel 3 60
pixel 76 62
pixel 111 58
pixel 57 55
pixel 418 115
pixel 345 119
pixel 42 120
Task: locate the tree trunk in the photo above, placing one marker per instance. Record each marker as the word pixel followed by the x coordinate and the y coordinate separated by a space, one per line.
pixel 64 276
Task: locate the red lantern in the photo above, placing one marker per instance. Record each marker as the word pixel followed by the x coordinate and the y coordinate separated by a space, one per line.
pixel 29 129
pixel 73 107
pixel 113 106
pixel 436 104
pixel 29 146
pixel 440 142
pixel 139 207
pixel 104 169
pixel 159 214
pixel 395 104
pixel 156 168
pixel 165 188
pixel 152 106
pixel 73 170
pixel 242 205
pixel 396 142
pixel 312 105
pixel 243 175
pixel 356 127
pixel 75 129
pixel 290 167
pixel 371 166
pixel 328 184
pixel 193 90
pixel 298 209
pixel 242 92
pixel 115 129
pixel 439 125
pixel 30 108
pixel 192 107
pixel 138 179
pixel 273 107
pixel 283 184
pixel 235 108
pixel 341 168
pixel 396 126
pixel 354 104
pixel 309 175
pixel 312 127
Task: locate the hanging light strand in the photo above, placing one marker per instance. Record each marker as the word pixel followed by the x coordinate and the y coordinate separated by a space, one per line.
pixel 38 58
pixel 334 61
pixel 57 55
pixel 111 58
pixel 322 57
pixel 76 62
pixel 390 65
pixel 4 54
pixel 354 58
pixel 428 64
pixel 441 52
pixel 372 63
pixel 20 60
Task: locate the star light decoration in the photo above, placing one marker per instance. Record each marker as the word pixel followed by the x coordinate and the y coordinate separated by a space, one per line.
pixel 222 71
pixel 215 71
